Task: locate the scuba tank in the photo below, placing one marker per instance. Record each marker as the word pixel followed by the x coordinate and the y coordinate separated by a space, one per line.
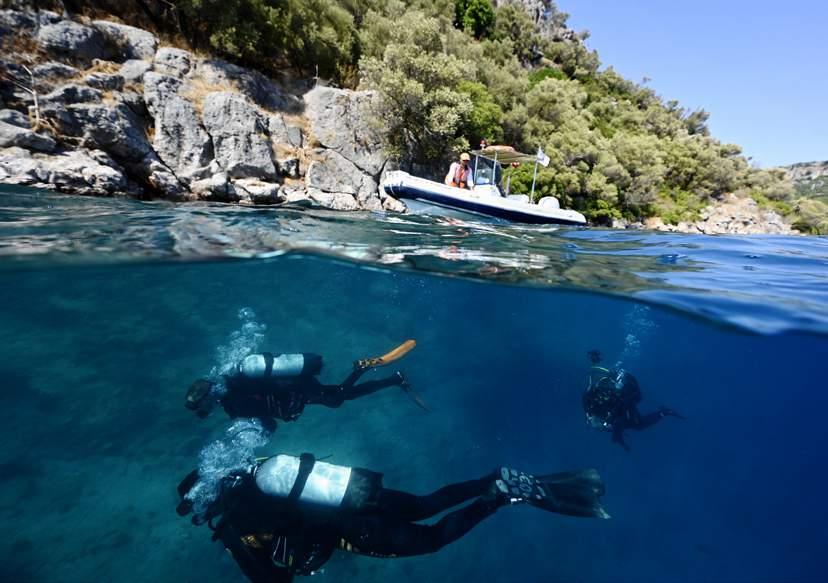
pixel 303 479
pixel 267 365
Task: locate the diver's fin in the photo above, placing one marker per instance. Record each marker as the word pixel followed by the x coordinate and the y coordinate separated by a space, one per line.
pixel 388 357
pixel 571 493
pixel 415 397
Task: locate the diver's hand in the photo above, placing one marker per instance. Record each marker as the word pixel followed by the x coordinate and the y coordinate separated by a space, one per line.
pixel 667 412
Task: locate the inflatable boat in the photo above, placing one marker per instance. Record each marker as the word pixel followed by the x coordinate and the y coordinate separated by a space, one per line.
pixel 485 199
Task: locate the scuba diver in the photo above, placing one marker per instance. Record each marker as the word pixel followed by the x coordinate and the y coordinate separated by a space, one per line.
pixel 284 515
pixel 270 387
pixel 611 402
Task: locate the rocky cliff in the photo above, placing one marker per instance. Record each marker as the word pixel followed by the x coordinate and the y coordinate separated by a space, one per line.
pixel 102 108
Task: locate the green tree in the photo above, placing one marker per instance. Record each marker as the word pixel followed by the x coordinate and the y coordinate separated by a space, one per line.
pixel 485 120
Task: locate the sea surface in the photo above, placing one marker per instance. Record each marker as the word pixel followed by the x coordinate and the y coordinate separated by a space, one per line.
pixel 109 308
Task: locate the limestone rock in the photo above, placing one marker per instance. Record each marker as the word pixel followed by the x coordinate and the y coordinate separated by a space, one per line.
pixel 180 140
pixel 259 88
pixel 105 82
pixel 289 167
pixel 340 120
pixel 129 42
pixel 339 201
pixel 72 39
pixel 53 70
pixel 290 193
pixel 13 135
pixel 173 62
pixel 134 70
pixel 257 192
pixel 15 118
pixel 284 133
pixel 240 138
pixel 76 171
pixel 216 188
pixel 72 93
pixel 331 172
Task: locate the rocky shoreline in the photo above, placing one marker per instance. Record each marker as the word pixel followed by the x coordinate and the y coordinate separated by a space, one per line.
pixel 100 108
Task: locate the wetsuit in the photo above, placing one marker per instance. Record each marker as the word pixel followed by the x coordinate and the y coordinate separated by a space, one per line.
pixel 611 404
pixel 273 539
pixel 272 397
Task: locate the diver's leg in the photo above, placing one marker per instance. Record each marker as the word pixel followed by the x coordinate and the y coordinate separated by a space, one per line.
pixel 618 437
pixel 645 421
pixel 408 507
pixel 384 537
pixel 334 395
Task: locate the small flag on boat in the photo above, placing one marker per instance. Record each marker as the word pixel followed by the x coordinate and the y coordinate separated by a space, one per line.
pixel 543 159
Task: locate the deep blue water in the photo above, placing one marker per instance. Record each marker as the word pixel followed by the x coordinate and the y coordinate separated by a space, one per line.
pixel 99 348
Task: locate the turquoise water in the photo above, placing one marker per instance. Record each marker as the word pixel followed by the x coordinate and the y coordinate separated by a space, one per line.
pixel 110 308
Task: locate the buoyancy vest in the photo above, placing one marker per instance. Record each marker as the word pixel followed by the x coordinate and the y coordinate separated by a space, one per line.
pixel 461 175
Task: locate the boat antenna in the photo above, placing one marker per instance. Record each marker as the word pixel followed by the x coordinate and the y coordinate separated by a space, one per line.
pixel 534 178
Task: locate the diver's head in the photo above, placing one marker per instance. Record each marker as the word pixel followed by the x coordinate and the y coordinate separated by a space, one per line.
pixel 199 397
pixel 594 356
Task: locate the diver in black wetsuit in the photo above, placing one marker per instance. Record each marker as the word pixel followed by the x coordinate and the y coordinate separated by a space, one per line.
pixel 285 516
pixel 271 387
pixel 611 402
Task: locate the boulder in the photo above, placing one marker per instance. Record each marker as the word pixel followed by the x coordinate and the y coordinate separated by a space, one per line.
pixel 339 201
pixel 105 81
pixel 331 172
pixel 340 120
pixel 289 193
pixel 257 192
pixel 53 71
pixel 259 88
pixel 129 42
pixel 72 40
pixel 13 135
pixel 75 171
pixel 134 70
pixel 216 188
pixel 15 118
pixel 173 62
pixel 72 93
pixel 158 89
pixel 289 167
pixel 240 138
pixel 284 133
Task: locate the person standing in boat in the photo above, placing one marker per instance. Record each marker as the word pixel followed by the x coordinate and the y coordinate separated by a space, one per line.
pixel 460 173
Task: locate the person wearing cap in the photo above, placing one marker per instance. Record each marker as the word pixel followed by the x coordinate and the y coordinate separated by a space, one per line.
pixel 460 173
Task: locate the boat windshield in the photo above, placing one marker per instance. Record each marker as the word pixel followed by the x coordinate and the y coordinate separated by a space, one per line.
pixel 486 171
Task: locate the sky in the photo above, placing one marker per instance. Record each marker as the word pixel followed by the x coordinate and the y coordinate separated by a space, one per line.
pixel 759 67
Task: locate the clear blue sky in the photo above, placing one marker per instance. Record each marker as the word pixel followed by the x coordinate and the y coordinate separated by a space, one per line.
pixel 759 67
